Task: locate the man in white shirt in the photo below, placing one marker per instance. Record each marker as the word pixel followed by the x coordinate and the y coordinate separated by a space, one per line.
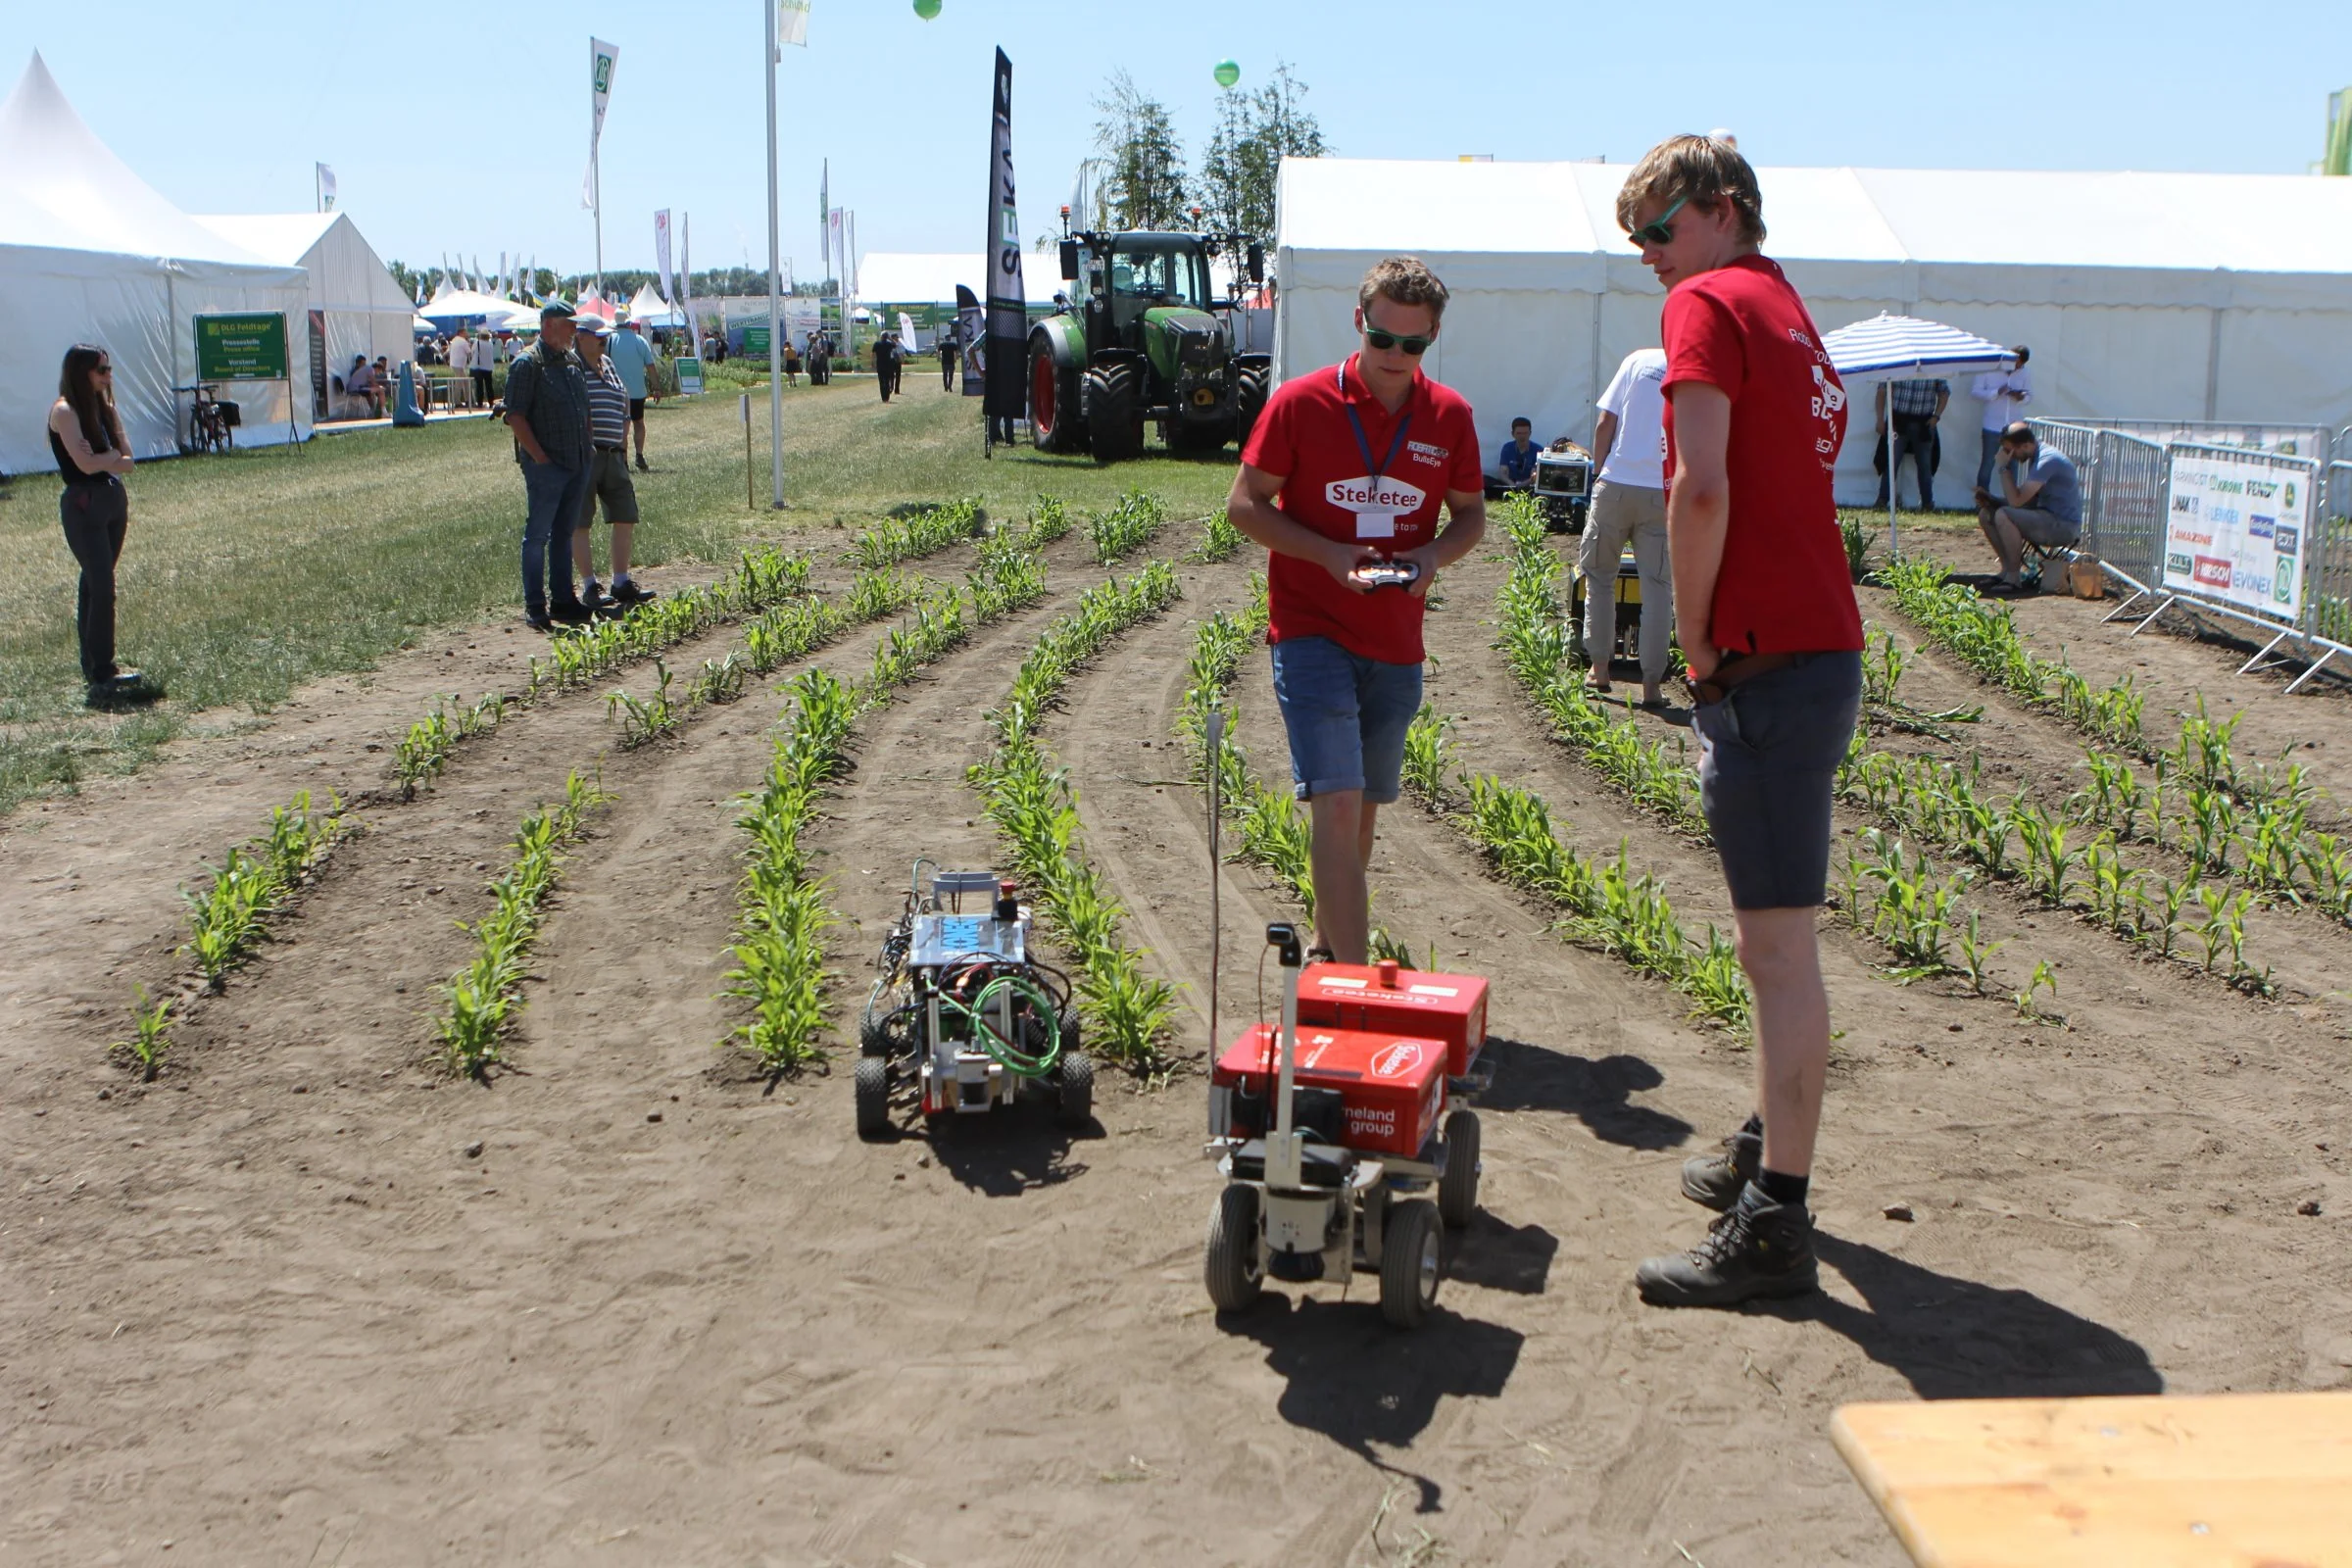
pixel 1629 502
pixel 2004 393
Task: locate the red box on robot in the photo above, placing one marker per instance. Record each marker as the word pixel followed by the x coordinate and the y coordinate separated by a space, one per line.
pixel 1391 1087
pixel 1386 996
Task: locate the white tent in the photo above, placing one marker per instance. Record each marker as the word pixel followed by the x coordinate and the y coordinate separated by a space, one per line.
pixel 649 307
pixel 91 253
pixel 2141 295
pixel 454 308
pixel 353 306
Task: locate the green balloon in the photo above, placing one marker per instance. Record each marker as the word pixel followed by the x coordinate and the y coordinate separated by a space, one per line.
pixel 1228 72
pixel 926 9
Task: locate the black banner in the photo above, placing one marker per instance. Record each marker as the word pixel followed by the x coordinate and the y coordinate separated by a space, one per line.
pixel 1007 394
pixel 972 338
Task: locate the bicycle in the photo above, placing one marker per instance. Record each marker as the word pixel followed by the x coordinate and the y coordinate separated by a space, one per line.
pixel 212 422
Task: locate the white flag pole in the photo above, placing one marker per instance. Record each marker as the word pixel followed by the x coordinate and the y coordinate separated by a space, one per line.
pixel 775 300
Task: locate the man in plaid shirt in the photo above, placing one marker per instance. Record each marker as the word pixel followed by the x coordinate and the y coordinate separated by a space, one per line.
pixel 1917 406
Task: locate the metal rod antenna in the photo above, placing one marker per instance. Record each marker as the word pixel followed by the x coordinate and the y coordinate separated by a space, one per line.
pixel 776 287
pixel 1216 861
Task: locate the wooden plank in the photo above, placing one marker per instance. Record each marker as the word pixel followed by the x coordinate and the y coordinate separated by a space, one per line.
pixel 2262 1480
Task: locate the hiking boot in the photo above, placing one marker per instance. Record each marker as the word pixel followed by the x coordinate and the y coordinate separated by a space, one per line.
pixel 575 613
pixel 628 593
pixel 1757 1249
pixel 594 598
pixel 539 622
pixel 1714 1181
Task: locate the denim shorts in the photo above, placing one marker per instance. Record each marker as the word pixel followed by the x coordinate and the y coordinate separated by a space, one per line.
pixel 1347 717
pixel 1768 761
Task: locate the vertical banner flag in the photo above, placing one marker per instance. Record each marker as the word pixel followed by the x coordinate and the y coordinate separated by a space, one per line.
pixel 792 23
pixel 840 250
pixel 601 57
pixel 971 327
pixel 669 288
pixel 824 219
pixel 326 188
pixel 1007 303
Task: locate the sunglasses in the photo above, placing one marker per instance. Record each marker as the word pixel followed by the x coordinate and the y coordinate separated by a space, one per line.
pixel 102 370
pixel 1415 346
pixel 1659 231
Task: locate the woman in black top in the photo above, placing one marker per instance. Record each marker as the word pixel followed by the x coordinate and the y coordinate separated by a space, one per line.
pixel 85 434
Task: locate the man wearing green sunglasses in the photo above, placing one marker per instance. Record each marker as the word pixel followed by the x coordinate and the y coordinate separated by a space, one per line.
pixel 1764 610
pixel 1343 481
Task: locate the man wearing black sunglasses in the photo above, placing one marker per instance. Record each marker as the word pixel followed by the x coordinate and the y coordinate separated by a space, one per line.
pixel 1342 481
pixel 1765 612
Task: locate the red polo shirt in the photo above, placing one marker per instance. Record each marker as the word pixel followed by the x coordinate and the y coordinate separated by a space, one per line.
pixel 1304 435
pixel 1784 587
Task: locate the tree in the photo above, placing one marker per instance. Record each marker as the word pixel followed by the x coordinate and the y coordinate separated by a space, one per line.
pixel 1143 162
pixel 1256 132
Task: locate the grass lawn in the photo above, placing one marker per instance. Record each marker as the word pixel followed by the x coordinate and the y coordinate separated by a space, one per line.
pixel 245 575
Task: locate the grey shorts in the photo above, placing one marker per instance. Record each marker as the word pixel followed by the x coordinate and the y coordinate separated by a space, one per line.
pixel 1768 761
pixel 609 482
pixel 2044 529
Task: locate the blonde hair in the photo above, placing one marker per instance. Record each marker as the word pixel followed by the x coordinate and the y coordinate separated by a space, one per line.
pixel 1405 281
pixel 1701 172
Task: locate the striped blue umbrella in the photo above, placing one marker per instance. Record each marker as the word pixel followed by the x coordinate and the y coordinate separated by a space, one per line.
pixel 1887 346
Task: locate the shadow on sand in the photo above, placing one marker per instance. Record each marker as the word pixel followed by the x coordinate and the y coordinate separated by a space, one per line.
pixel 1528 1077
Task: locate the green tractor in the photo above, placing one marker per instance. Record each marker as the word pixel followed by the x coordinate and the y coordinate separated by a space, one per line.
pixel 1142 336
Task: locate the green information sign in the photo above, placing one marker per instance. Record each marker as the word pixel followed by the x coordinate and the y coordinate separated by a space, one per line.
pixel 690 377
pixel 241 348
pixel 754 341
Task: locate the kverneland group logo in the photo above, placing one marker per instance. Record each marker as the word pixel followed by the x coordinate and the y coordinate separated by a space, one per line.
pixel 1397 1059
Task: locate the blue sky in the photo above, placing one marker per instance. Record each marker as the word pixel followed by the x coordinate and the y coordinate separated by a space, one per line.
pixel 466 130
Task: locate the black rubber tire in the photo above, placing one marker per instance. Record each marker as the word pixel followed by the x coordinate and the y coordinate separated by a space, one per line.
pixel 1069 1028
pixel 1074 1080
pixel 1411 1262
pixel 873 1097
pixel 1114 413
pixel 1250 401
pixel 1065 429
pixel 873 1035
pixel 1230 1261
pixel 1457 1189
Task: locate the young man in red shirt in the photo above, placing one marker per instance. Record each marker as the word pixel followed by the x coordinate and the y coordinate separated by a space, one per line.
pixel 1345 471
pixel 1765 613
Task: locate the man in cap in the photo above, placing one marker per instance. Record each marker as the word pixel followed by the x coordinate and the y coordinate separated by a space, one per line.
pixel 607 474
pixel 547 409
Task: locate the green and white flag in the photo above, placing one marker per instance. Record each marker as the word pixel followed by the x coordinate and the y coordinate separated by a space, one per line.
pixel 601 57
pixel 792 22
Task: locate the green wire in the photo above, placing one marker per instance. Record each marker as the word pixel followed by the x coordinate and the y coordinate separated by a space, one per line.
pixel 1008 1056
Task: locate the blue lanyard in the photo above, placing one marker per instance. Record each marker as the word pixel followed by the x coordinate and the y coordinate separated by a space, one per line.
pixel 1363 443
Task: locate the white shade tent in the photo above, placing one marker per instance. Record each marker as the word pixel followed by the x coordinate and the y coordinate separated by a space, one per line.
pixel 361 310
pixel 89 252
pixel 649 307
pixel 1890 347
pixel 2141 294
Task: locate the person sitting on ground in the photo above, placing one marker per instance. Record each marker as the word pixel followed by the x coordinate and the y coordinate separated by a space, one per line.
pixel 362 382
pixel 2040 504
pixel 1515 464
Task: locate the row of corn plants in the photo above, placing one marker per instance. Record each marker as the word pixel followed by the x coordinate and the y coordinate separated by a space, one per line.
pixel 1220 540
pixel 420 754
pixel 1533 642
pixel 482 998
pixel 778 943
pixel 579 656
pixel 227 914
pixel 918 533
pixel 1033 806
pixel 1130 524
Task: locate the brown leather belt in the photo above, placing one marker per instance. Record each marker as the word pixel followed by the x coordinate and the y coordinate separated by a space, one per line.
pixel 1733 673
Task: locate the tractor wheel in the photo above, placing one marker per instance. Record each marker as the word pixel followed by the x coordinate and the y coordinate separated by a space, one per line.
pixel 1231 1264
pixel 1457 1189
pixel 1053 415
pixel 1410 1262
pixel 1068 1023
pixel 873 1097
pixel 1077 1086
pixel 1114 414
pixel 1251 400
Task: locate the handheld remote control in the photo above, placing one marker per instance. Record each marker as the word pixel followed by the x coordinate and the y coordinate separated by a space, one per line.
pixel 1388 573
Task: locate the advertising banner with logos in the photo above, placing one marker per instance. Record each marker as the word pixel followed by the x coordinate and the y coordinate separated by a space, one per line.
pixel 2237 529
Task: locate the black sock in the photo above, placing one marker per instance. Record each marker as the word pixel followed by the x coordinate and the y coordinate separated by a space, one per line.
pixel 1782 1189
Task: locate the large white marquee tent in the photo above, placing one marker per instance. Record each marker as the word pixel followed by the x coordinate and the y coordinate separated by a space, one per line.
pixel 2143 295
pixel 88 251
pixel 360 309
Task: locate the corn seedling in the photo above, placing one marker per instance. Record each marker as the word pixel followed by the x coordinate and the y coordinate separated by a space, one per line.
pixel 1913 912
pixel 1220 540
pixel 722 681
pixel 2049 864
pixel 1976 952
pixel 2043 978
pixel 917 534
pixel 644 720
pixel 1882 666
pixel 150 1040
pixel 481 999
pixel 225 920
pixel 1857 544
pixel 1429 756
pixel 879 590
pixel 1128 526
pixel 1048 520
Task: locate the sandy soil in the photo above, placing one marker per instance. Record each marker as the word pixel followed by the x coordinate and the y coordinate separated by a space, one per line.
pixel 304 1300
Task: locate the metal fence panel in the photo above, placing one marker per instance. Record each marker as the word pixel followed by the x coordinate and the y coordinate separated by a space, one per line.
pixel 2133 474
pixel 2328 594
pixel 2315 441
